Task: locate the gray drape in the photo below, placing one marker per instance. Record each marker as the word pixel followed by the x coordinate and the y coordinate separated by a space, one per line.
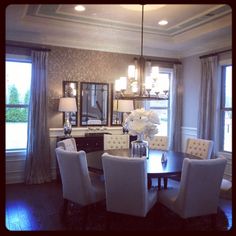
pixel 176 103
pixel 208 98
pixel 38 152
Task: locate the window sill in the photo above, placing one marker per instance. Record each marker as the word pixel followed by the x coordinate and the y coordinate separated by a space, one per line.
pixel 13 153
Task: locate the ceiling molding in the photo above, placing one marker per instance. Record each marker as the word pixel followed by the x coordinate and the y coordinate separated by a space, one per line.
pixel 56 25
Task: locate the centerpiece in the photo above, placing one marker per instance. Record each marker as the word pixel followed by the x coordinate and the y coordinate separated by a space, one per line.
pixel 143 124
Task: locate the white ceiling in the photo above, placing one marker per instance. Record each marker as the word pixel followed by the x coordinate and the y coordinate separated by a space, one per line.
pixel 192 29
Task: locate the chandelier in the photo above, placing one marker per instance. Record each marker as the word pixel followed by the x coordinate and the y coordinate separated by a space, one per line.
pixel 141 80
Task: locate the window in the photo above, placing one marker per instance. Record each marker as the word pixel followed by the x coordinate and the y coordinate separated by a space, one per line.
pixel 18 78
pixel 226 109
pixel 161 107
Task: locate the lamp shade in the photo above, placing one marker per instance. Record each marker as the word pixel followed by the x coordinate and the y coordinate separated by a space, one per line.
pixel 125 105
pixel 67 104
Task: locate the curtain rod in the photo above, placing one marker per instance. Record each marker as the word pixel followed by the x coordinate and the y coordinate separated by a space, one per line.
pixel 29 47
pixel 214 54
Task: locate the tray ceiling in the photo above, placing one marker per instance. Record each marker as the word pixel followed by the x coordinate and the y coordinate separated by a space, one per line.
pixel 192 29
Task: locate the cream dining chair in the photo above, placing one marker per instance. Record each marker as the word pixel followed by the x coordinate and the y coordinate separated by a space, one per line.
pixel 126 185
pixel 68 144
pixel 197 193
pixel 199 147
pixel 159 142
pixel 116 141
pixel 77 186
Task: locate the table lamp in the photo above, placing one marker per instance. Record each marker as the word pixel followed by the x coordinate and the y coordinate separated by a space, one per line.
pixel 67 105
pixel 125 106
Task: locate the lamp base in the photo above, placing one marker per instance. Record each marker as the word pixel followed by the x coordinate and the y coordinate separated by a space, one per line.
pixel 67 129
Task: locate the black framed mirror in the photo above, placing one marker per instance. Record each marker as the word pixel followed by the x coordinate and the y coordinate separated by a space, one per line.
pixel 116 116
pixel 94 104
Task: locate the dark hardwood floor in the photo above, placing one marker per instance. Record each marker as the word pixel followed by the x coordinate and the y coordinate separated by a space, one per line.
pixel 36 207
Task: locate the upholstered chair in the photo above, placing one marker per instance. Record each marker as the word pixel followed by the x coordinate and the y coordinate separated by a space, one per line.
pixel 116 141
pixel 199 147
pixel 197 193
pixel 126 185
pixel 68 144
pixel 77 186
pixel 159 142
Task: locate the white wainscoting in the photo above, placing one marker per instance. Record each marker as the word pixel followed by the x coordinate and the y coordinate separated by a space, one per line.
pixel 15 161
pixel 15 167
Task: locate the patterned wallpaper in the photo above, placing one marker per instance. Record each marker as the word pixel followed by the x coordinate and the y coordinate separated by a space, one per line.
pixel 82 66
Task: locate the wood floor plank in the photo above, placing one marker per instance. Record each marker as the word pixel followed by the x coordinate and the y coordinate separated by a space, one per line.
pixel 36 207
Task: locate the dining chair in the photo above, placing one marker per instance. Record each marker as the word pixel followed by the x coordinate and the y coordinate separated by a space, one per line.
pixel 159 142
pixel 126 185
pixel 77 186
pixel 116 141
pixel 199 147
pixel 197 193
pixel 68 144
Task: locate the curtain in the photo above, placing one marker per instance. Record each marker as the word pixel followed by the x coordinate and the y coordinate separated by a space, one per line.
pixel 176 102
pixel 38 153
pixel 209 101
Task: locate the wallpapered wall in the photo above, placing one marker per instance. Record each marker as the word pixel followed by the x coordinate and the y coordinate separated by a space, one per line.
pixel 83 66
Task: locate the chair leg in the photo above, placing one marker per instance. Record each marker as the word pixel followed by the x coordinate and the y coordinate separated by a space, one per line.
pixel 213 221
pixel 64 210
pixel 85 217
pixel 108 220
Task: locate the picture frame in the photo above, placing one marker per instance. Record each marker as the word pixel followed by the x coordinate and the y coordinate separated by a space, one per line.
pixel 70 89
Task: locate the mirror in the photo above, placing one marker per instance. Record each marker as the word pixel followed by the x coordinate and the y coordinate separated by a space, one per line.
pixel 94 103
pixel 120 108
pixel 116 116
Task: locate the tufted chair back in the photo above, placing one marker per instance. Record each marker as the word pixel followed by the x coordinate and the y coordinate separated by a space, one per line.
pixel 116 141
pixel 159 142
pixel 68 144
pixel 199 147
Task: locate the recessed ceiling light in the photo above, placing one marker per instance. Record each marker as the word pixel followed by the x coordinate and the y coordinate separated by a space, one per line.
pixel 163 22
pixel 79 8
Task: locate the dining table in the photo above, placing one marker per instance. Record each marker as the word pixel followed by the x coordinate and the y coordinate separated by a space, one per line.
pixel 156 168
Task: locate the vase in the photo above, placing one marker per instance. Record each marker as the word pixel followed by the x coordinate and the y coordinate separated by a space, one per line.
pixel 139 147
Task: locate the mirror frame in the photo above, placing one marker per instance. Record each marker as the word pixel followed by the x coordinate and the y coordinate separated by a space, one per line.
pixel 117 114
pixel 82 97
pixel 71 91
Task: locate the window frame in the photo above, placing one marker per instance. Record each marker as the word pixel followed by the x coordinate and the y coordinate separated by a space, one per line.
pixel 223 108
pixel 18 59
pixel 168 71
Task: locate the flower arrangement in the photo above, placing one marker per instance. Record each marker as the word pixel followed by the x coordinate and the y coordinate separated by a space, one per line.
pixel 142 123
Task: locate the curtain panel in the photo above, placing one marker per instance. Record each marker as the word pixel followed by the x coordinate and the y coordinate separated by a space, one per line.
pixel 176 108
pixel 38 151
pixel 209 101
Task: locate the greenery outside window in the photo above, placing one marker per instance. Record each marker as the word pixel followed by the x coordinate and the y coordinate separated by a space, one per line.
pixel 18 78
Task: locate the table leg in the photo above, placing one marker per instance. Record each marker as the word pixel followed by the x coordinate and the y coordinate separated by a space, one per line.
pixel 165 182
pixel 159 183
pixel 149 182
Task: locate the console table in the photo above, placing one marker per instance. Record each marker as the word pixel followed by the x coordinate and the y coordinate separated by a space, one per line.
pixel 90 142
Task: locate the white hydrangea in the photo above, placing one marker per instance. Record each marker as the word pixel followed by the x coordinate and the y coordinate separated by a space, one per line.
pixel 142 122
